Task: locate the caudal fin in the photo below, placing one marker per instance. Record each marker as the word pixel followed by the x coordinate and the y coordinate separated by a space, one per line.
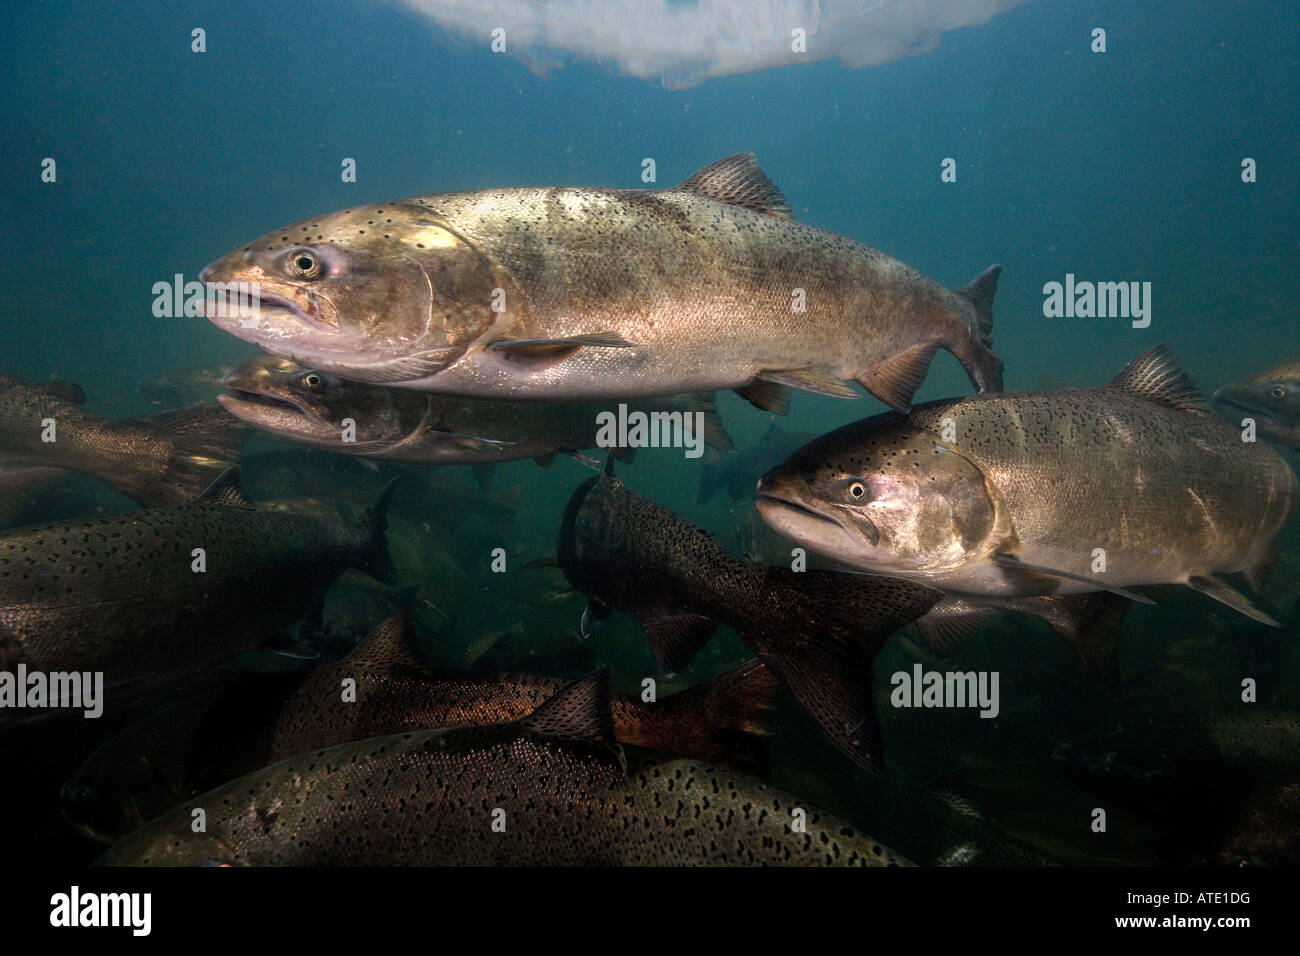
pixel 821 647
pixel 725 721
pixel 177 454
pixel 977 356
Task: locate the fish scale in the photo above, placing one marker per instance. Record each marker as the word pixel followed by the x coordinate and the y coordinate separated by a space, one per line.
pixel 198 744
pixel 1137 468
pixel 156 460
pixel 429 799
pixel 119 594
pixel 817 631
pixel 571 293
pixel 310 407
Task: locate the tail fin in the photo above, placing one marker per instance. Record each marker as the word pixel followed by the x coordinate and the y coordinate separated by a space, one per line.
pixel 980 361
pixel 184 452
pixel 373 526
pixel 822 644
pixel 725 721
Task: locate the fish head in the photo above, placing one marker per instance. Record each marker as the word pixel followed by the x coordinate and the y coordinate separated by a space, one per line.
pixel 318 408
pixel 883 495
pixel 383 293
pixel 1271 398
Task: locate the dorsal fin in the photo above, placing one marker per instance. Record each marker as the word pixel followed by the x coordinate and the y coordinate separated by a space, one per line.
pixel 739 181
pixel 1156 377
pixel 226 491
pixel 389 647
pixel 580 712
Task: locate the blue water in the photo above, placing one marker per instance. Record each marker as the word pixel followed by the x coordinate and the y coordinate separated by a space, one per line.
pixel 1122 166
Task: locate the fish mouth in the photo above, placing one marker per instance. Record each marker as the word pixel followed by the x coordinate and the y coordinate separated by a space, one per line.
pixel 265 399
pixel 243 306
pixel 279 413
pixel 817 529
pixel 774 503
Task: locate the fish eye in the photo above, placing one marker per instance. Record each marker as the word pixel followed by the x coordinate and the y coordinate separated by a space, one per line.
pixel 305 264
pixel 857 490
pixel 313 380
pixel 1277 391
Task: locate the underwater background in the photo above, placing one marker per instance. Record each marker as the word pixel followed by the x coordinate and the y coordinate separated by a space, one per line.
pixel 1117 166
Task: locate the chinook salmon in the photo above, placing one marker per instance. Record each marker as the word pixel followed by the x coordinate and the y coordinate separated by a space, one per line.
pixel 320 409
pixel 198 744
pixel 552 789
pixel 1271 398
pixel 153 598
pixel 183 387
pixel 817 631
pixel 576 293
pixel 155 460
pixel 1039 494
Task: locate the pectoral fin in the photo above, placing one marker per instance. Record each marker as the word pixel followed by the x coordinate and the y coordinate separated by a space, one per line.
pixel 549 350
pixel 469 442
pixel 1017 566
pixel 407 368
pixel 896 380
pixel 1226 594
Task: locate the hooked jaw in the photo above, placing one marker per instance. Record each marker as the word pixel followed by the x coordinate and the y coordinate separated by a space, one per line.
pixel 791 513
pixel 239 300
pixel 258 400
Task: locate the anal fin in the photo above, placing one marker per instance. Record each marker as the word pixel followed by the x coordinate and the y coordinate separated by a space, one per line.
pixel 895 380
pixel 768 396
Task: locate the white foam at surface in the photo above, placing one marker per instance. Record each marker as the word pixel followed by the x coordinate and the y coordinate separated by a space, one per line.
pixel 681 44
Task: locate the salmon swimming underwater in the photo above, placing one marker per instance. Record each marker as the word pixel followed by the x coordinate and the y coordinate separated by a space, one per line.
pixel 552 789
pixel 1035 494
pixel 182 387
pixel 311 407
pixel 1271 398
pixel 817 631
pixel 155 459
pixel 201 743
pixel 122 594
pixel 576 293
